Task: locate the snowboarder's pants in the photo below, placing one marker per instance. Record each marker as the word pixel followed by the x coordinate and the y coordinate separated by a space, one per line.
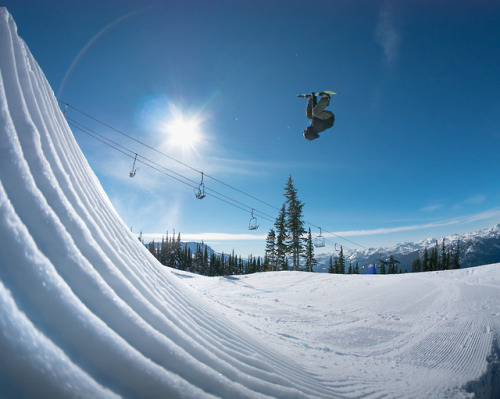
pixel 318 111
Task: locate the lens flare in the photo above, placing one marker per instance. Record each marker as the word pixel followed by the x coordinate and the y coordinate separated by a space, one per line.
pixel 182 133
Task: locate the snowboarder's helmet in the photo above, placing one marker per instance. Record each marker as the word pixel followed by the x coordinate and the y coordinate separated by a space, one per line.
pixel 310 134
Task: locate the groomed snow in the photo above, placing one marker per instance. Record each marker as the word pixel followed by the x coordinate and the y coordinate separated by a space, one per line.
pixel 419 335
pixel 86 311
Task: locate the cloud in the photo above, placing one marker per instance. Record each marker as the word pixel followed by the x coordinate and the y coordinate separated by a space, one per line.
pixel 399 229
pixel 486 215
pixel 432 208
pixel 475 199
pixel 387 35
pixel 209 237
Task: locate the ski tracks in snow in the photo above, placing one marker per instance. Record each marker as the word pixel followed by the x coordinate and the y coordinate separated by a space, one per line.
pixel 420 335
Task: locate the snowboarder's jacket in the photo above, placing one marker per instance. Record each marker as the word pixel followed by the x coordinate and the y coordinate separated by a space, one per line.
pixel 320 125
pixel 321 119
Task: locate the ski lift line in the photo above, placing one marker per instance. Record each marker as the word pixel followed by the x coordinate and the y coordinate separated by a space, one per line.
pixel 134 169
pixel 213 193
pixel 168 156
pixel 88 130
pixel 335 245
pixel 192 168
pixel 102 139
pixel 138 160
pixel 133 156
pixel 346 239
pixel 173 177
pixel 336 235
pixel 207 189
pixel 217 195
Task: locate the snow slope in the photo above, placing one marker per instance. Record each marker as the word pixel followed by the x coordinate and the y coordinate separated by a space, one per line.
pixel 419 335
pixel 86 311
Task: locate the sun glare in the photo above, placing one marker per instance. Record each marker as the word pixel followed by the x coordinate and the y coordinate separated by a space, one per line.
pixel 183 133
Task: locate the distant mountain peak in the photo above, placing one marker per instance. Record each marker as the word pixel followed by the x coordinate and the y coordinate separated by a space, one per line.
pixel 476 248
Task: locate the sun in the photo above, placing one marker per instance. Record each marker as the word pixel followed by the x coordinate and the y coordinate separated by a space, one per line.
pixel 183 133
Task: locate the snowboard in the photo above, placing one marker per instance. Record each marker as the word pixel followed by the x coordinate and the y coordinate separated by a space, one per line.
pixel 319 93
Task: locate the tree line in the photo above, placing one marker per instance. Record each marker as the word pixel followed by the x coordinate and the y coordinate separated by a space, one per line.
pixel 436 258
pixel 337 264
pixel 170 252
pixel 288 247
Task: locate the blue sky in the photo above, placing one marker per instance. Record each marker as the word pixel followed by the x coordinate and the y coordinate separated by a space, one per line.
pixel 414 152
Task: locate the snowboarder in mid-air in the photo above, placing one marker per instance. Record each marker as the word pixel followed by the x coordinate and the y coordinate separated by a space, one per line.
pixel 321 119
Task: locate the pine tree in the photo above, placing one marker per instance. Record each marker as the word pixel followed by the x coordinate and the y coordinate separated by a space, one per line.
pixel 285 265
pixel 177 250
pixel 341 262
pixel 331 267
pixel 393 269
pixel 281 236
pixel 270 254
pixel 294 224
pixel 444 258
pixel 309 253
pixel 416 265
pixel 425 262
pixel 163 252
pixel 260 267
pixel 152 248
pixel 241 266
pixel 435 258
pixel 456 257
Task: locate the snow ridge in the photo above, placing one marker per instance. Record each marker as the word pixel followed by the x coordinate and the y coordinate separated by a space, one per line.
pixel 85 310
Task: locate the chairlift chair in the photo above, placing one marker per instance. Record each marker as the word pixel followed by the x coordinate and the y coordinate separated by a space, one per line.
pixel 253 223
pixel 134 169
pixel 319 241
pixel 200 191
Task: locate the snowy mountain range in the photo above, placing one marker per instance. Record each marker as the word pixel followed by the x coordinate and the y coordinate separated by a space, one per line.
pixel 478 248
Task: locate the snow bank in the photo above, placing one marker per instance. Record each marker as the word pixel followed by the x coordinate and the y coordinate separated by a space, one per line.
pixel 85 310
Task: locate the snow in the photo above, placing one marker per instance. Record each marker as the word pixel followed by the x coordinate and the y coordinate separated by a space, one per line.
pixel 86 311
pixel 412 335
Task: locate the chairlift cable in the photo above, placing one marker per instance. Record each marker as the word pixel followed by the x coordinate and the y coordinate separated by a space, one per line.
pixel 168 156
pixel 150 163
pixel 242 207
pixel 86 129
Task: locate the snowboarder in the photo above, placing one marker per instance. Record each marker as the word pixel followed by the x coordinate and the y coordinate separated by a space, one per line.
pixel 321 119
